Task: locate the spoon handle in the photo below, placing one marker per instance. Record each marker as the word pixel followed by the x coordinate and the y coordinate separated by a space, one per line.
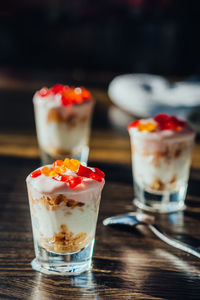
pixel 174 243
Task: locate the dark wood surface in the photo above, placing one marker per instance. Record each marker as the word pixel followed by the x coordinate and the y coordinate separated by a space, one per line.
pixel 127 264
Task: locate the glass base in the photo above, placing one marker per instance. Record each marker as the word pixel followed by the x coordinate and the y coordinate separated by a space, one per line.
pixel 49 159
pixel 68 264
pixel 161 202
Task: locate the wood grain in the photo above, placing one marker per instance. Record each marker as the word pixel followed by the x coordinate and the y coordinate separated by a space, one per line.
pixel 105 146
pixel 126 264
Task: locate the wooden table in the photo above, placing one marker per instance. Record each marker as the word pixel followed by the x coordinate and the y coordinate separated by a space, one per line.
pixel 126 264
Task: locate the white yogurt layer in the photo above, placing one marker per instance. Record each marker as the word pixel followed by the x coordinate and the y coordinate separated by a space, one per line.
pixel 79 219
pixel 53 135
pixel 146 173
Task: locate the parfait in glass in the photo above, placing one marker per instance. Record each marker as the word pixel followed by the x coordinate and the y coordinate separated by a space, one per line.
pixel 64 202
pixel 161 155
pixel 63 117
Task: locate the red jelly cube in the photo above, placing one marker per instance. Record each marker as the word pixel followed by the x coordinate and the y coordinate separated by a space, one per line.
pixel 44 92
pixel 174 119
pixel 99 173
pixel 74 181
pixel 162 118
pixel 61 177
pixel 36 173
pixel 96 177
pixel 84 171
pixel 57 88
pixel 134 124
pixel 168 125
pixel 178 122
pixel 65 101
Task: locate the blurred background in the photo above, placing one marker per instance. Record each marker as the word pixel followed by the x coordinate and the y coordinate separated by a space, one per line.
pixel 87 42
pixel 151 36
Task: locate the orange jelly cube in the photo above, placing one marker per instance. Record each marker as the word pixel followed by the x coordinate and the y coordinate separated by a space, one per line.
pixel 58 163
pixel 66 162
pixel 53 173
pixel 46 171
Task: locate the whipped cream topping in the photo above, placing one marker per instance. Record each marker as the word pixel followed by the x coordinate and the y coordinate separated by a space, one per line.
pixel 47 185
pixel 54 102
pixel 149 129
pixel 63 95
pixel 43 182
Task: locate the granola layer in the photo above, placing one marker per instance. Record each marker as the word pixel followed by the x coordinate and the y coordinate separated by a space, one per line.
pixel 168 153
pixel 53 203
pixel 70 120
pixel 65 241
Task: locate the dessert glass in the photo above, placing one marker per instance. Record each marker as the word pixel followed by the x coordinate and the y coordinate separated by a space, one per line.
pixel 63 117
pixel 161 155
pixel 64 201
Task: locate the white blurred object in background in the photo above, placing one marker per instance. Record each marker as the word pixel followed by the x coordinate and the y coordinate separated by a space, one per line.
pixel 145 95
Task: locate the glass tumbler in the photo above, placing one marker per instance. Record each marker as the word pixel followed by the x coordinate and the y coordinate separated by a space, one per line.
pixel 63 121
pixel 161 165
pixel 64 225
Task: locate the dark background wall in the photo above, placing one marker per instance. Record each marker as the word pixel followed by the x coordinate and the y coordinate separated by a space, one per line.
pixel 157 36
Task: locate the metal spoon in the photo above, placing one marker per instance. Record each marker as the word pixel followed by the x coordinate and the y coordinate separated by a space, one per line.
pixel 133 219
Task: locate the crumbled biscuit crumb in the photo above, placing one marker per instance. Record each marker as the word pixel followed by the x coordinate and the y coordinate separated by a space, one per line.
pixel 54 203
pixel 158 185
pixel 70 120
pixel 66 241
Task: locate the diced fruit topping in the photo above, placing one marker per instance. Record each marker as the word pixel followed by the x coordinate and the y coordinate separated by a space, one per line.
pixel 58 169
pixel 161 118
pixel 147 126
pixel 44 92
pixel 46 171
pixel 57 88
pixel 178 122
pixel 166 122
pixel 85 94
pixel 74 95
pixel 99 173
pixel 69 95
pixel 36 173
pixel 86 172
pixel 134 124
pixel 72 164
pixel 53 173
pixel 73 181
pixel 159 122
pixel 58 163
